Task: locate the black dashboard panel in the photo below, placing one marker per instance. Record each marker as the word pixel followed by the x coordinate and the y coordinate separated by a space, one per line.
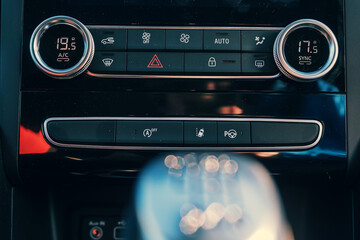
pixel 169 95
pixel 74 178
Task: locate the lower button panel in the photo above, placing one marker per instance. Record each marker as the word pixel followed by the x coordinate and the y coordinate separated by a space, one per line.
pixel 136 133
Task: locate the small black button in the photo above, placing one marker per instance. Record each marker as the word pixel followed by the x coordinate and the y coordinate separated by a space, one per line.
pixel 109 39
pixel 234 133
pixel 82 132
pixel 259 63
pixel 258 41
pixel 149 132
pixel 221 40
pixel 108 62
pixel 200 133
pixel 184 39
pixel 155 62
pixel 146 39
pixel 212 62
pixel 277 133
pixel 120 233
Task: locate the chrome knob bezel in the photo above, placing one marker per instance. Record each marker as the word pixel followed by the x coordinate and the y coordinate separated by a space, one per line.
pixel 77 69
pixel 291 72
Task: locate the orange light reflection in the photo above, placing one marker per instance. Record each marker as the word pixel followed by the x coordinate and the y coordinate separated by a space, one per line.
pixel 32 142
pixel 227 110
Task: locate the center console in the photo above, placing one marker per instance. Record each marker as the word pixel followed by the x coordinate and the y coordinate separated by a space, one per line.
pixel 108 86
pixel 123 80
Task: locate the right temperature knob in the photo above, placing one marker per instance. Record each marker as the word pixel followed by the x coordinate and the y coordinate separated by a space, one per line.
pixel 306 50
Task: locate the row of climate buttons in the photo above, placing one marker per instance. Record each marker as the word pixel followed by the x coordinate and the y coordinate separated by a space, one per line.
pixel 114 39
pixel 107 62
pixel 181 133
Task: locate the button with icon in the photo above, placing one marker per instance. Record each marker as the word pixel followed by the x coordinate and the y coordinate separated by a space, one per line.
pixel 108 62
pixel 109 39
pixel 155 62
pixel 258 41
pixel 259 63
pixel 217 40
pixel 149 132
pixel 234 133
pixel 200 132
pixel 212 62
pixel 146 39
pixel 186 39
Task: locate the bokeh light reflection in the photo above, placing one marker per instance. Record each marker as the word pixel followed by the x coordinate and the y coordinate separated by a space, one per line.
pixel 213 215
pixel 229 167
pixel 233 213
pixel 208 196
pixel 212 164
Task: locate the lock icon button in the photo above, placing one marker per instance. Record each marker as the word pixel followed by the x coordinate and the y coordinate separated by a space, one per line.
pixel 212 62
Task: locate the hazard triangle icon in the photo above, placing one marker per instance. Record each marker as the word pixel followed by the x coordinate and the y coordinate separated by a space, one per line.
pixel 155 62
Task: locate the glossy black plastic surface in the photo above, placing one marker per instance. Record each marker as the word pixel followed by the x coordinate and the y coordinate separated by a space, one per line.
pixel 84 96
pixel 261 15
pixel 50 160
pixel 210 13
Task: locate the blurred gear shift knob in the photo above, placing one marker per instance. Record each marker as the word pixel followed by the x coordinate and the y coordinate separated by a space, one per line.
pixel 209 197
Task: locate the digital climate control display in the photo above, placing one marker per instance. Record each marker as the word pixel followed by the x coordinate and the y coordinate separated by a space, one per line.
pixel 306 50
pixel 62 47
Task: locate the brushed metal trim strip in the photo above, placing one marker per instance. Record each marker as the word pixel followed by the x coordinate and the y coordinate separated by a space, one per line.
pixel 234 148
pixel 184 27
pixel 103 75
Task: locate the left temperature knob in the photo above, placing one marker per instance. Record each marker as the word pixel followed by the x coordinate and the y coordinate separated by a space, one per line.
pixel 62 47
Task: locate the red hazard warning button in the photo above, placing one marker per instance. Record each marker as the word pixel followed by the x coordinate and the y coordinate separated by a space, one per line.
pixel 155 62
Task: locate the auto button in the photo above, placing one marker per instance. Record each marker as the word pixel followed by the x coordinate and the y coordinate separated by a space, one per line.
pixel 222 40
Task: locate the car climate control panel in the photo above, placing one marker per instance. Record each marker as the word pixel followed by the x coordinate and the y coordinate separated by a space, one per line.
pixel 62 47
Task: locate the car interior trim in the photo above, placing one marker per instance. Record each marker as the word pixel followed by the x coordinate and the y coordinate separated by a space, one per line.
pixel 265 148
